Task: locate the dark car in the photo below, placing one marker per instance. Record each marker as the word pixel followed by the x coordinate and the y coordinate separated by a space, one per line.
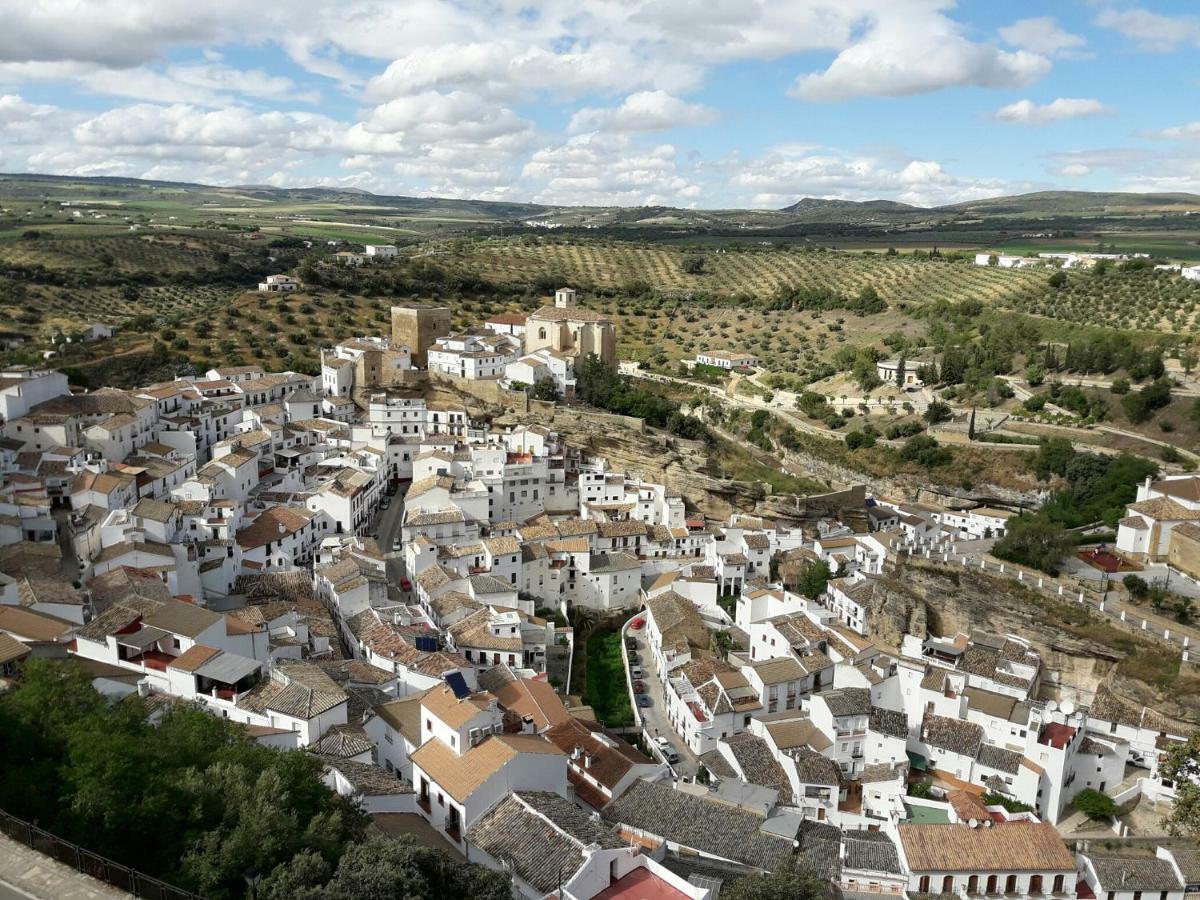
pixel 639 687
pixel 633 657
pixel 405 584
pixel 643 700
pixel 630 643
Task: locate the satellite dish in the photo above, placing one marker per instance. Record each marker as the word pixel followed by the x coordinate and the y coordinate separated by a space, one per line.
pixel 1051 705
pixel 1067 707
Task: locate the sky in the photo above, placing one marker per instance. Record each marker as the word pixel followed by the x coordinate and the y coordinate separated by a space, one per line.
pixel 707 104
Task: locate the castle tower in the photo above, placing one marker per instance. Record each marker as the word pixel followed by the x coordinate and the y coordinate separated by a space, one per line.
pixel 417 327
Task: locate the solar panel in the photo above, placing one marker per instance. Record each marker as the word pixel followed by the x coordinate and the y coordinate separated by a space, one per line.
pixel 458 684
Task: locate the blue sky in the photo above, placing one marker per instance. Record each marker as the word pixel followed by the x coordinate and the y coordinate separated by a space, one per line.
pixel 725 103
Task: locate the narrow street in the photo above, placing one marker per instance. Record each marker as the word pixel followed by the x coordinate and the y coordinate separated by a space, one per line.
pixel 655 717
pixel 386 528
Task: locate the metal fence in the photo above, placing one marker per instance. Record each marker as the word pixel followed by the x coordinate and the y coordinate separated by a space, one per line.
pixel 91 864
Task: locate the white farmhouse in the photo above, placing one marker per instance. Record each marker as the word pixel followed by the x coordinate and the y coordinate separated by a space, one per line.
pixel 279 284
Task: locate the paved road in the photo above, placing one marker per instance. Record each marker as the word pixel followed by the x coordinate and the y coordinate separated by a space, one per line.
pixel 655 717
pixel 386 529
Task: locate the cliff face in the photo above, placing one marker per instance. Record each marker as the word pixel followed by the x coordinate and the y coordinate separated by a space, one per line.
pixel 915 596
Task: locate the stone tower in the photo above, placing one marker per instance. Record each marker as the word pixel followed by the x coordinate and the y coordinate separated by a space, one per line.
pixel 417 327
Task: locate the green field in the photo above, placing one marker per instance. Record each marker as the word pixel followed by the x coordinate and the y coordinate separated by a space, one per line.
pixel 604 690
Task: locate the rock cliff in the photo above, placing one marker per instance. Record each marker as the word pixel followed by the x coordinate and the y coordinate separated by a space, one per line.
pixel 1079 650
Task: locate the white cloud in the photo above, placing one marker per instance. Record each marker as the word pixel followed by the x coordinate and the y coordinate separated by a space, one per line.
pixel 115 33
pixel 432 116
pixel 1189 131
pixel 904 52
pixel 1042 35
pixel 643 111
pixel 1075 170
pixel 1026 112
pixel 1151 31
pixel 598 169
pixel 788 173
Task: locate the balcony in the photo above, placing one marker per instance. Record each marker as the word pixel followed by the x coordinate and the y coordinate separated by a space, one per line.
pixel 423 802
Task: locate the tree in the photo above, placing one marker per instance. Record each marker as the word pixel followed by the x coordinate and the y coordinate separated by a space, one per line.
pixel 925 450
pixel 901 368
pixel 1188 359
pixel 1053 457
pixel 1094 804
pixel 1181 766
pixel 1035 374
pixel 544 389
pixel 814 579
pixel 1057 280
pixel 1034 541
pixel 856 439
pixel 583 619
pixel 1136 585
pixel 723 642
pixel 794 880
pixel 693 265
pixel 971 426
pixel 937 412
pixel 382 868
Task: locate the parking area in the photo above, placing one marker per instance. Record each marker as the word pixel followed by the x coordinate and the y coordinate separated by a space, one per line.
pixel 654 717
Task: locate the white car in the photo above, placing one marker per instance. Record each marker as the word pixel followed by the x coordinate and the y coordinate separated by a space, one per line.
pixel 667 749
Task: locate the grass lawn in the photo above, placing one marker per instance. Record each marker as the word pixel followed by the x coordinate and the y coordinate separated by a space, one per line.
pixel 604 689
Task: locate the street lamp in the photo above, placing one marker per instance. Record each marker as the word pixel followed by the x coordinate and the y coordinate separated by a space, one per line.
pixel 253 876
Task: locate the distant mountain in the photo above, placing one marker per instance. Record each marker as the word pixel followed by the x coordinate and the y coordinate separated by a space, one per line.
pixel 816 205
pixel 808 215
pixel 1086 203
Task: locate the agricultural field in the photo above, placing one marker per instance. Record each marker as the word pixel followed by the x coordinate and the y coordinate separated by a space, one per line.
pixel 1143 301
pixel 759 273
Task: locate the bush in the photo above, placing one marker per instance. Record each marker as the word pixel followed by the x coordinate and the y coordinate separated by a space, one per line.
pixel 856 439
pixel 1136 585
pixel 1095 805
pixel 1036 542
pixel 1035 404
pixel 1120 386
pixel 937 412
pixel 1013 806
pixel 903 430
pixel 926 451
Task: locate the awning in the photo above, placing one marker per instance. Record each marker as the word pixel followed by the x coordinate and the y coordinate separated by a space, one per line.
pixel 917 761
pixel 143 638
pixel 228 668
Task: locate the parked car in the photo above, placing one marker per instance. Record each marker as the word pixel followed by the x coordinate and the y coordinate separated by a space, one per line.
pixel 670 754
pixel 397 545
pixel 633 657
pixel 385 503
pixel 405 584
pixel 631 643
pixel 637 624
pixel 639 687
pixel 643 700
pixel 636 672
